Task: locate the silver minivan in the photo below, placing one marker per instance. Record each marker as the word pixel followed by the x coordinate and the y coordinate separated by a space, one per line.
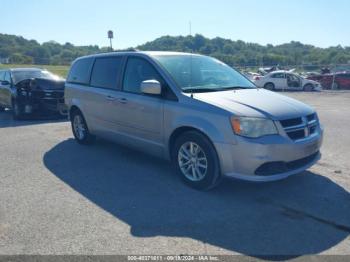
pixel 194 110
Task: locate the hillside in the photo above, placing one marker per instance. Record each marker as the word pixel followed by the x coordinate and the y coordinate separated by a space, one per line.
pixel 22 51
pixel 250 54
pixel 18 50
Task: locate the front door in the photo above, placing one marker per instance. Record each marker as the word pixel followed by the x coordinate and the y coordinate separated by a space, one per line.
pixel 294 82
pixel 140 116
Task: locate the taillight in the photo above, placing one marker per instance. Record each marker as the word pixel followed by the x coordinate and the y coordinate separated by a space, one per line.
pixel 257 78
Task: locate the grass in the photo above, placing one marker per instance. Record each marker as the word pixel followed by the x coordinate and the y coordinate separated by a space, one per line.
pixel 58 70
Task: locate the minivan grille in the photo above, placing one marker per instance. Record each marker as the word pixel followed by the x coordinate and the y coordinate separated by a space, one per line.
pixel 301 127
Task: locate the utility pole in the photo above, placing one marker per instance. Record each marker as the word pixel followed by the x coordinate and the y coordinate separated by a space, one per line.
pixel 110 36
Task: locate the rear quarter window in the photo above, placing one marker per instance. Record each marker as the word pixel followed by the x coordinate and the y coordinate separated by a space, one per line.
pixel 80 71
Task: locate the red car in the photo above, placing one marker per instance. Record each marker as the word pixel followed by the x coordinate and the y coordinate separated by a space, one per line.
pixel 340 80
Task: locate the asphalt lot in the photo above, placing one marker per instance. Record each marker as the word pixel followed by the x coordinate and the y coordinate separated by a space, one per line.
pixel 57 197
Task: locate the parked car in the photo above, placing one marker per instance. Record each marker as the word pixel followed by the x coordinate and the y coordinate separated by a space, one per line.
pixel 31 90
pixel 251 75
pixel 209 125
pixel 340 80
pixel 286 80
pixel 265 70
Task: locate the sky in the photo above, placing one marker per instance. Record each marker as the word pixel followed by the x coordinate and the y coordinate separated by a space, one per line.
pixel 321 23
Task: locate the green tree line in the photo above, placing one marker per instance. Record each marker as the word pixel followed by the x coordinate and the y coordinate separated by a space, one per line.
pixel 236 53
pixel 239 53
pixel 22 51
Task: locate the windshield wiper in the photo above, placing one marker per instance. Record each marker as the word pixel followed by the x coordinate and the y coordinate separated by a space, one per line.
pixel 234 88
pixel 199 90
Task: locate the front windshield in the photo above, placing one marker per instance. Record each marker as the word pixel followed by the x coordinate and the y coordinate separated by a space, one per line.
pixel 195 73
pixel 18 76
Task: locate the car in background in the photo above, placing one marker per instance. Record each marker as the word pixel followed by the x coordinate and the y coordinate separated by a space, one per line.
pixel 196 111
pixel 286 80
pixel 335 81
pixel 31 90
pixel 251 75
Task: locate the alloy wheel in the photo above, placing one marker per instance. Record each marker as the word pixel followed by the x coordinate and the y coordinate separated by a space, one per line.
pixel 192 161
pixel 79 127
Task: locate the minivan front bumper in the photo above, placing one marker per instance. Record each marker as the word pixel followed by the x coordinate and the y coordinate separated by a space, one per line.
pixel 269 158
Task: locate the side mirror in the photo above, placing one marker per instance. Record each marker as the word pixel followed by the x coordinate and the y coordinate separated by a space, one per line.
pixel 151 87
pixel 5 83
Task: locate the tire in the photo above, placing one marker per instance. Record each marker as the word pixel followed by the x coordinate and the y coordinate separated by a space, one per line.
pixel 197 176
pixel 308 88
pixel 2 109
pixel 80 129
pixel 270 86
pixel 17 110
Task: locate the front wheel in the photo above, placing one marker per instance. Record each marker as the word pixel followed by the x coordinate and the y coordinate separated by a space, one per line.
pixel 17 110
pixel 196 161
pixel 80 129
pixel 308 88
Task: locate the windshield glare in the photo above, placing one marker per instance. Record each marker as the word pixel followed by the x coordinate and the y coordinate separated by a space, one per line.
pixel 18 76
pixel 195 72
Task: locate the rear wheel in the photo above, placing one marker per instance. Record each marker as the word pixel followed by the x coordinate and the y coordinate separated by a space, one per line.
pixel 196 161
pixel 80 129
pixel 269 86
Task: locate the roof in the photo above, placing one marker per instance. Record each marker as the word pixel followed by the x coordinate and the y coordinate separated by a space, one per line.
pixel 279 71
pixel 25 69
pixel 147 53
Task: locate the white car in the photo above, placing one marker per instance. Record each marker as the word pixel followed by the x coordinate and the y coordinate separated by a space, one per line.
pixel 251 75
pixel 286 80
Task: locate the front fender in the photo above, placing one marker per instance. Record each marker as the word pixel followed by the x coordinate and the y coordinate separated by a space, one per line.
pixel 218 131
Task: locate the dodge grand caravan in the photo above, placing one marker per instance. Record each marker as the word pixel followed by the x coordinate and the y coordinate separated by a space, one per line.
pixel 196 111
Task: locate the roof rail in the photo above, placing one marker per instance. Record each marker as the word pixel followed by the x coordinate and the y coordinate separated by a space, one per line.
pixel 127 50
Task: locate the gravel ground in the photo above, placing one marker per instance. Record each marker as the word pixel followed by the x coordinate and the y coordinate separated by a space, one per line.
pixel 57 197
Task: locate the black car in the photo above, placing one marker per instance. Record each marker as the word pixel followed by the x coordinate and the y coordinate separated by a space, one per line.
pixel 31 91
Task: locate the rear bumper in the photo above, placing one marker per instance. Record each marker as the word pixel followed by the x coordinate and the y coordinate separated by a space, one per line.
pixel 269 158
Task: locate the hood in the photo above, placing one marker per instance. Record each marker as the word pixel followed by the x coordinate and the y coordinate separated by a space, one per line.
pixel 256 103
pixel 42 84
pixel 313 82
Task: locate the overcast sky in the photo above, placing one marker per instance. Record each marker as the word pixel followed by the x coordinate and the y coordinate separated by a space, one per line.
pixel 85 22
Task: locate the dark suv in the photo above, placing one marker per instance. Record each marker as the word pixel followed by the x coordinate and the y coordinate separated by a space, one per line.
pixel 31 90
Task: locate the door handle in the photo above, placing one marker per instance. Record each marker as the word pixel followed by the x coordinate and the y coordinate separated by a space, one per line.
pixel 122 100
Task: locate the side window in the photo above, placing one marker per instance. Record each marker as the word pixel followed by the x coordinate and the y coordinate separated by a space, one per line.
pixel 80 71
pixel 278 75
pixel 2 75
pixel 345 76
pixel 7 77
pixel 137 71
pixel 106 72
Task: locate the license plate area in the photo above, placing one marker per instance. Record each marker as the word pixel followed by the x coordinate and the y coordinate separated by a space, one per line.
pixel 311 148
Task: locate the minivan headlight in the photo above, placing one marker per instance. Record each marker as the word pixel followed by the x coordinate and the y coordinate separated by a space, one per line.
pixel 253 127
